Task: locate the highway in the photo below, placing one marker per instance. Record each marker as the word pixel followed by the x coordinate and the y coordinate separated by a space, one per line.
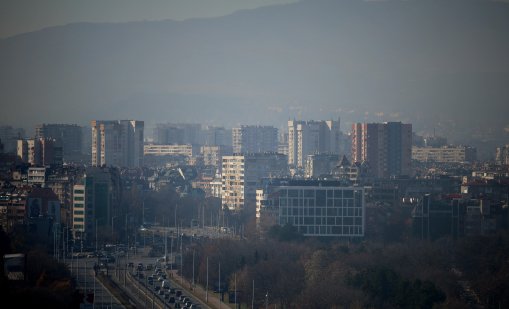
pixel 82 270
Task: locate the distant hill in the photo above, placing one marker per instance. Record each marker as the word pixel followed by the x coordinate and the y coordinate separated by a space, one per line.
pixel 441 65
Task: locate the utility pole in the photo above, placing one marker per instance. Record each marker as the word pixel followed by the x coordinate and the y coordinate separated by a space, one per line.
pixel 96 236
pixel 207 284
pixel 220 285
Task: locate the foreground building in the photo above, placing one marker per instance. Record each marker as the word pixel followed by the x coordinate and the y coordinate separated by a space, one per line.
pixel 95 201
pixel 314 207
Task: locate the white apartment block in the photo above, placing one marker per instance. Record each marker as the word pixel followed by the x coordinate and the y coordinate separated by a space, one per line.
pixel 242 173
pixel 79 218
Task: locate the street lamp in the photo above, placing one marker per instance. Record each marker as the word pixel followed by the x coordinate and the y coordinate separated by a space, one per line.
pixel 112 220
pixel 266 299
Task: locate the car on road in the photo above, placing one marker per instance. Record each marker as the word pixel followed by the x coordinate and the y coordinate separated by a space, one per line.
pixel 165 284
pixel 161 292
pixel 171 300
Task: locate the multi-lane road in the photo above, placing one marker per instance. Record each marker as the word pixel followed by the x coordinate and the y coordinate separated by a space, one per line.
pixel 82 270
pixel 138 290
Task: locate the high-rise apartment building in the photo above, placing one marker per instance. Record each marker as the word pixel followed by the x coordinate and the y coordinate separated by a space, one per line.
pixel 117 143
pixel 254 139
pixel 241 174
pixel 215 136
pixel 9 137
pixel 69 136
pixel 213 155
pixel 95 201
pixel 40 151
pixel 385 147
pixel 311 137
pixel 502 155
pixel 177 133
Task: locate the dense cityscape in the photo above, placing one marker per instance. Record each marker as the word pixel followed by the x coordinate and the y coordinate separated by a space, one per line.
pixel 344 210
pixel 286 154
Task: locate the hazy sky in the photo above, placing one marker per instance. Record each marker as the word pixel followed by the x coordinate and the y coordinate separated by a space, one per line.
pixel 19 16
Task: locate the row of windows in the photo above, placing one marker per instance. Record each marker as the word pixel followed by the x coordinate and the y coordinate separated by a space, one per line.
pixel 309 202
pixel 78 219
pixel 332 221
pixel 319 211
pixel 79 212
pixel 321 193
pixel 331 230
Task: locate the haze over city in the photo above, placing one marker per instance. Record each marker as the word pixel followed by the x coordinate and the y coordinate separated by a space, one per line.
pixel 441 65
pixel 254 154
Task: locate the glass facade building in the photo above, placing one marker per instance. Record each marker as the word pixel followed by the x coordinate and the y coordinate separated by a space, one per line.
pixel 321 211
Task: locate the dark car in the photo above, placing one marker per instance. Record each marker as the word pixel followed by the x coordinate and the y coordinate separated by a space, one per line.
pixel 171 300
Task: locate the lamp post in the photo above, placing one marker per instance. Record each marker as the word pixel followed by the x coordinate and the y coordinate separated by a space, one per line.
pixel 266 299
pixel 112 220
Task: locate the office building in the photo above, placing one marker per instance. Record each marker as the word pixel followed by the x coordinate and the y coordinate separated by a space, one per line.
pixel 254 139
pixel 314 207
pixel 311 137
pixel 117 143
pixel 386 147
pixel 241 174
